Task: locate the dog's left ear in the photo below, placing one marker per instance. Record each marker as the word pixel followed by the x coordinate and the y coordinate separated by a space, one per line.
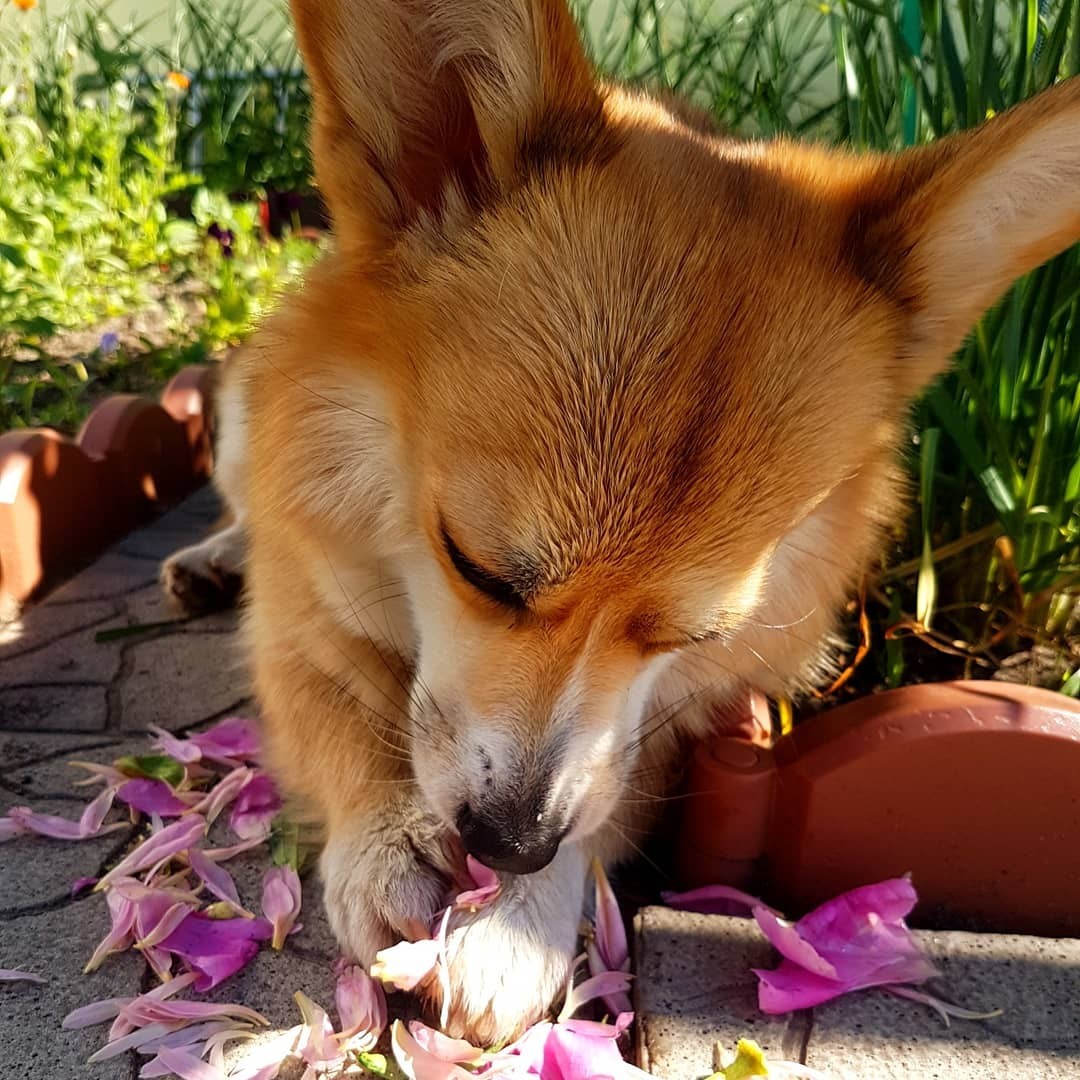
pixel 945 229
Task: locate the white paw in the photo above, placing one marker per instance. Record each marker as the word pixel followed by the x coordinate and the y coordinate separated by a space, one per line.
pixel 509 961
pixel 385 878
pixel 209 574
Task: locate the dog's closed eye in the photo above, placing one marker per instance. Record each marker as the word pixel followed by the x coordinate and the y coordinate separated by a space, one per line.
pixel 484 581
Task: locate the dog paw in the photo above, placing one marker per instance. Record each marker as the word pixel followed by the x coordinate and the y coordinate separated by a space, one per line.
pixel 385 877
pixel 207 576
pixel 510 960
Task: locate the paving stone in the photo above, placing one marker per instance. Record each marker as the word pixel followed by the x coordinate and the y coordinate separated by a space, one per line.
pixel 151 605
pixel 205 505
pixel 110 577
pixel 37 626
pixel 20 750
pixel 77 658
pixel 73 707
pixel 56 944
pixel 694 988
pixel 56 778
pixel 178 680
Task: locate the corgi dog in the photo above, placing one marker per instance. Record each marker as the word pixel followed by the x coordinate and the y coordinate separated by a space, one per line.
pixel 589 422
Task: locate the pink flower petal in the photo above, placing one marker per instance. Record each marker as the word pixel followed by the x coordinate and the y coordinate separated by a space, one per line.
pixel 174 838
pixel 185 751
pixel 152 797
pixel 714 900
pixel 487 885
pixel 255 807
pixel 97 1012
pixel 610 928
pixel 216 948
pixel 130 1041
pixel 161 927
pixel 598 1030
pixel 281 901
pixel 93 817
pixel 790 987
pixel 570 1055
pixel 106 774
pixel 944 1009
pixel 361 1006
pixel 10 828
pixel 455 1051
pixel 80 885
pixel 121 933
pixel 58 828
pixel 602 985
pixel 217 879
pixel 788 942
pixel 10 975
pixel 223 793
pixel 318 1044
pixel 187 1066
pixel 226 853
pixel 406 964
pixel 418 1063
pixel 230 742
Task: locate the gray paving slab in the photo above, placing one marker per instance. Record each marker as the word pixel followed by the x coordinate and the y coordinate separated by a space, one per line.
pixel 694 989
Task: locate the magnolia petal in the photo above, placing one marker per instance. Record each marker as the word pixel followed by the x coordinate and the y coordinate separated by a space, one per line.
pixel 223 793
pixel 232 740
pixel 131 1041
pixel 945 1009
pixel 58 828
pixel 10 827
pixel 120 935
pixel 787 941
pixel 187 1066
pixel 150 796
pixel 318 1044
pixel 174 838
pixel 255 808
pixel 608 982
pixel 80 885
pixel 419 1064
pixel 217 879
pixel 361 1006
pixel 486 882
pixel 97 1012
pixel 105 774
pixel 455 1051
pixel 11 975
pixel 598 1030
pixel 186 751
pixel 281 899
pixel 406 964
pixel 714 900
pixel 790 987
pixel 569 1054
pixel 169 920
pixel 93 817
pixel 216 948
pixel 189 1035
pixel 226 853
pixel 610 928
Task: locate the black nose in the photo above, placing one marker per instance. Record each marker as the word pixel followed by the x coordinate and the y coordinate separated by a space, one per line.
pixel 501 844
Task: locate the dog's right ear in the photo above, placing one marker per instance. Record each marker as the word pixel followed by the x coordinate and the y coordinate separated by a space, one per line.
pixel 419 102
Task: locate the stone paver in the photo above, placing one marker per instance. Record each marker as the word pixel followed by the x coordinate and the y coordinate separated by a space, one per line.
pixel 695 988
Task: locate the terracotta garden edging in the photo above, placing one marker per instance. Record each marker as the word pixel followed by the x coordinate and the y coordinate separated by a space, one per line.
pixel 972 787
pixel 63 501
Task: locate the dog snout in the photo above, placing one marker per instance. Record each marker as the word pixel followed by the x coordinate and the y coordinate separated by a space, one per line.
pixel 516 838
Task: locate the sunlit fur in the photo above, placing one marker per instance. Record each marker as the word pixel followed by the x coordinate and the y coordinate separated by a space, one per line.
pixel 654 376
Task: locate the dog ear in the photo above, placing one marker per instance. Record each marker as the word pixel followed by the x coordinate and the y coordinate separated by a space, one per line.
pixel 421 102
pixel 945 229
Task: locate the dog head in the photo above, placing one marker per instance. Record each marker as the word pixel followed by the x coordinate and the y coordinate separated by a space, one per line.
pixel 616 398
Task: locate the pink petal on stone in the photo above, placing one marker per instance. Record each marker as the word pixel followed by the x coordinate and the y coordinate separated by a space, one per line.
pixel 598 1030
pixel 10 975
pixel 943 1008
pixel 174 838
pixel 281 901
pixel 455 1051
pixel 58 828
pixel 420 1064
pixel 487 886
pixel 714 900
pixel 361 1006
pixel 121 933
pixel 787 941
pixel 97 1012
pixel 216 948
pixel 230 742
pixel 10 827
pixel 217 879
pixel 223 793
pixel 571 1055
pixel 318 1044
pixel 406 964
pixel 152 797
pixel 255 808
pixel 93 817
pixel 187 1066
pixel 80 885
pixel 790 987
pixel 226 853
pixel 105 774
pixel 185 751
pixel 155 933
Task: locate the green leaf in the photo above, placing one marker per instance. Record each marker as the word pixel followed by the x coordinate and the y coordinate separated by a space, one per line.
pixel 1071 686
pixel 153 767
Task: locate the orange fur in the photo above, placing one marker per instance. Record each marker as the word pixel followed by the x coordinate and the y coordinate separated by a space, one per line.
pixel 653 376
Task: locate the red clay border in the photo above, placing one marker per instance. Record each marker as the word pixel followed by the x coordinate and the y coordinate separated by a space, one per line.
pixel 972 787
pixel 63 501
